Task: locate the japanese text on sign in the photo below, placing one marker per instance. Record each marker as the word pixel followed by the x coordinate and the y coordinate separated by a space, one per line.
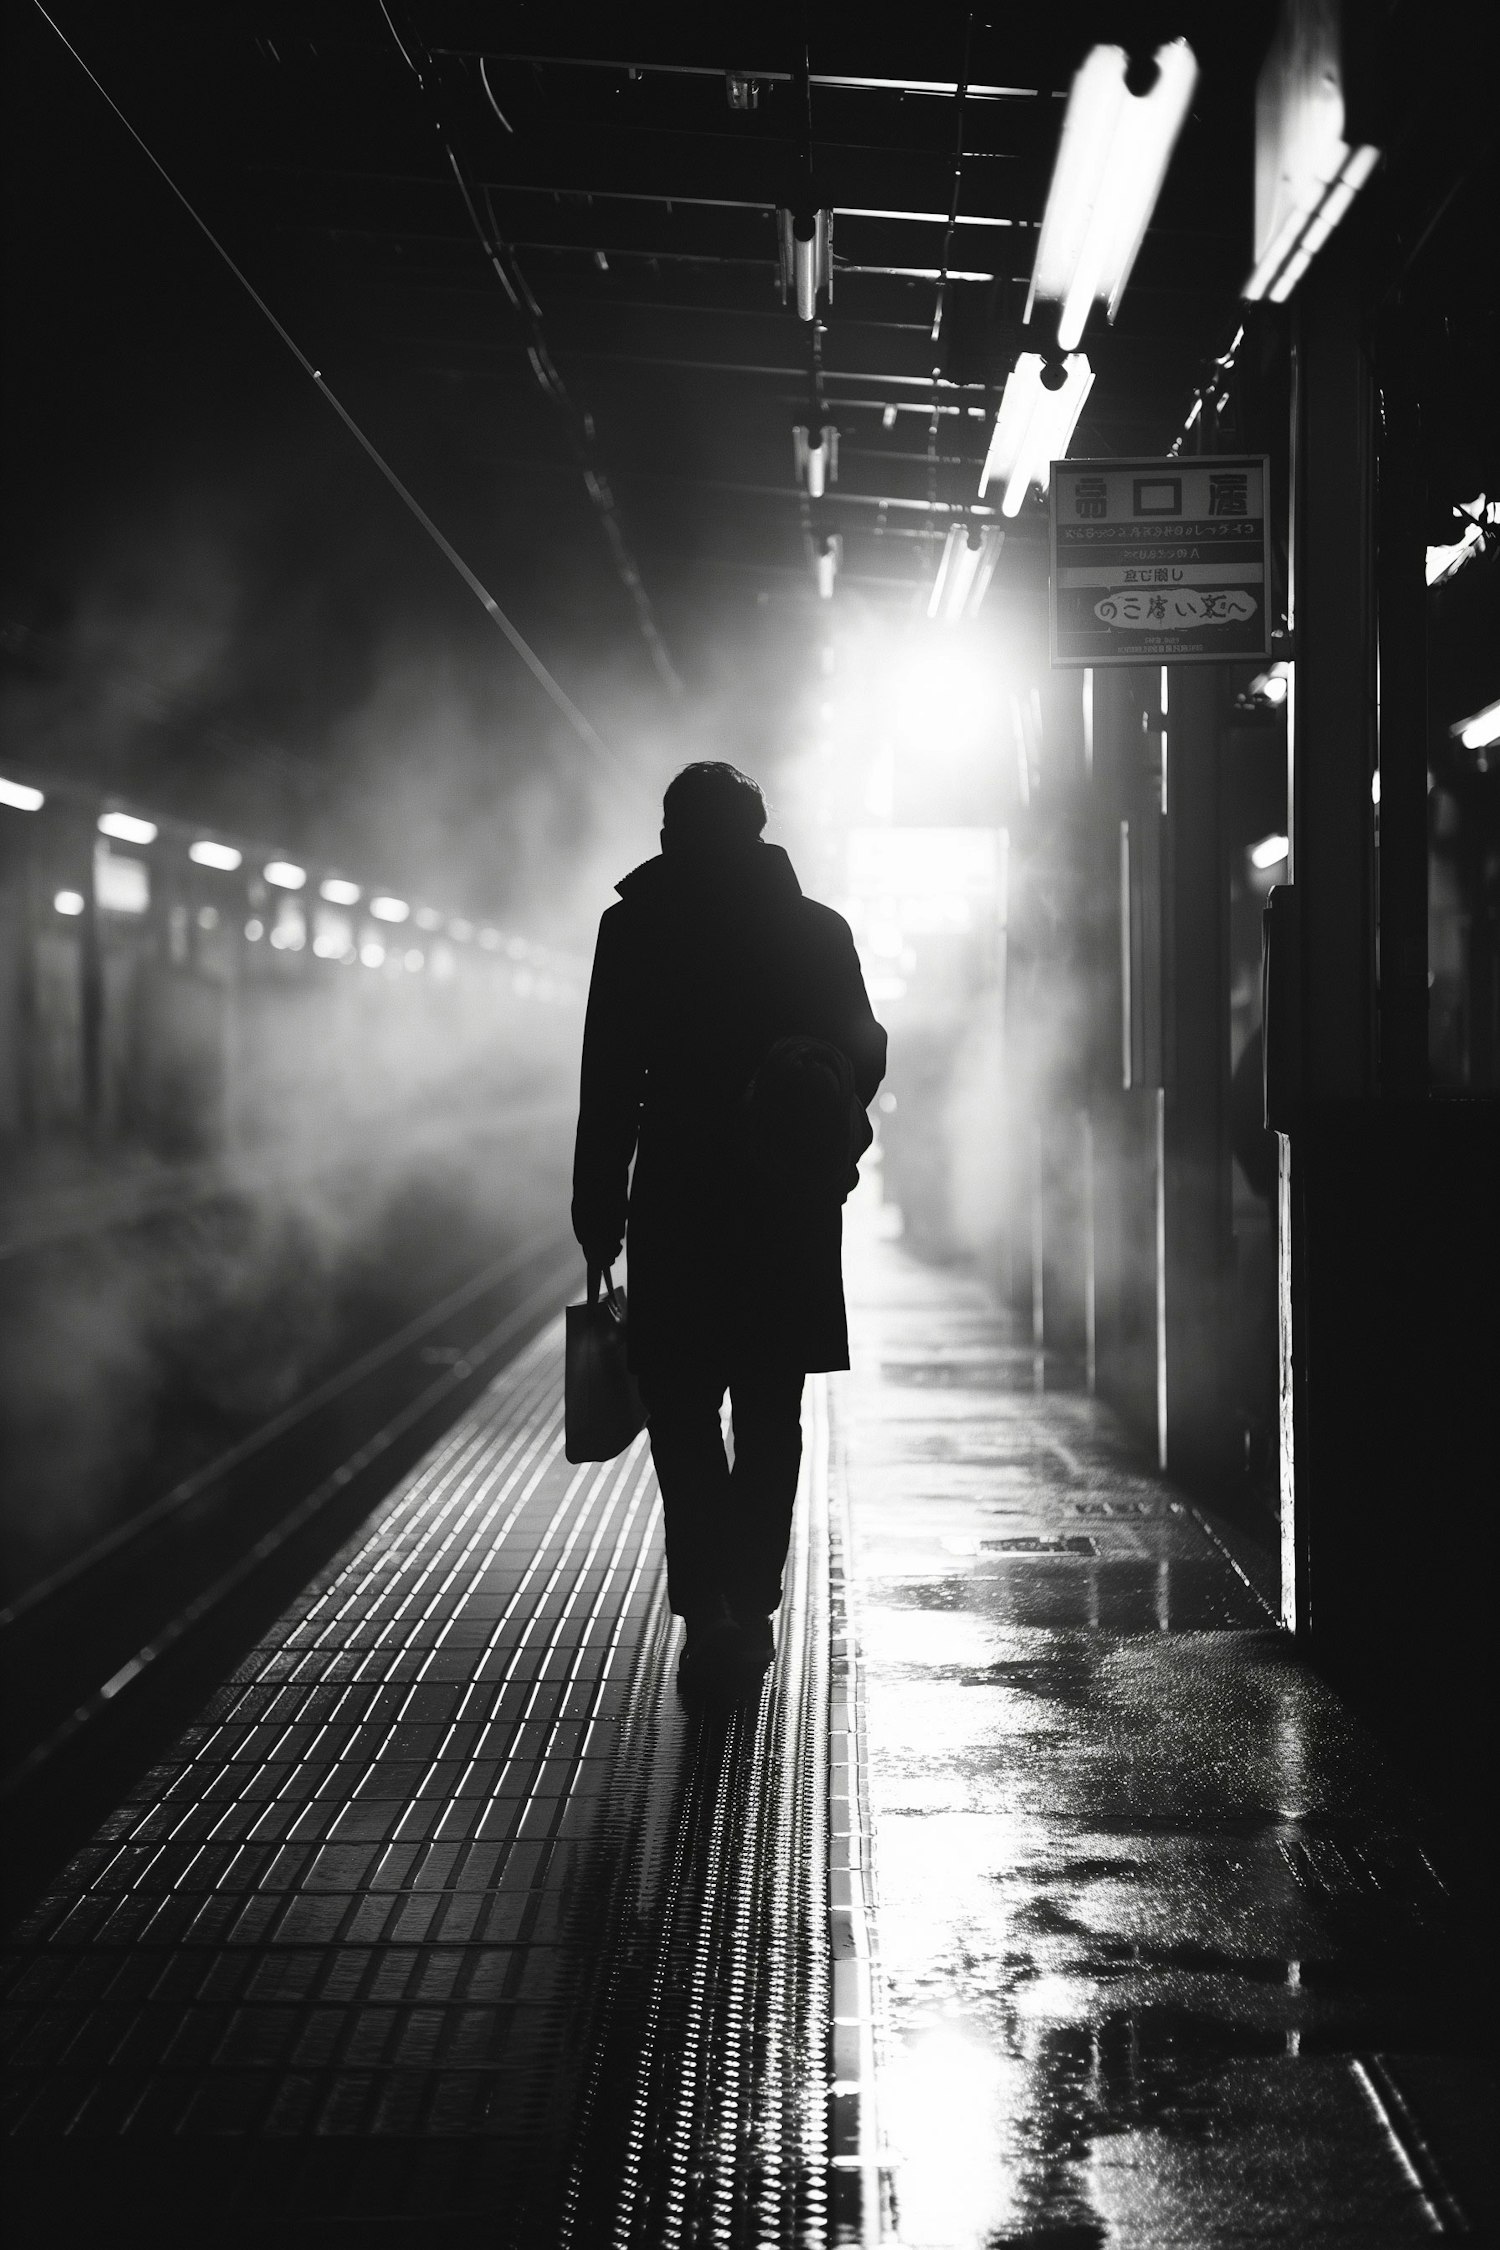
pixel 1159 561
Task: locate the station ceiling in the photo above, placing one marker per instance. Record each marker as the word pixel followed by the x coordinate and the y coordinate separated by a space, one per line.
pixel 538 248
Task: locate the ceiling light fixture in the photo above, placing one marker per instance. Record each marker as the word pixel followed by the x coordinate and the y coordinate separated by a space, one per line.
pixel 20 796
pixel 815 456
pixel 285 874
pixel 829 556
pixel 339 891
pixel 206 853
pixel 1306 174
pixel 968 564
pixel 389 909
pixel 1111 161
pixel 806 258
pixel 1480 730
pixel 1039 412
pixel 1269 852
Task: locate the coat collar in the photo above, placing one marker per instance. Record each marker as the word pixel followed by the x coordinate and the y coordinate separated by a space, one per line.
pixel 763 873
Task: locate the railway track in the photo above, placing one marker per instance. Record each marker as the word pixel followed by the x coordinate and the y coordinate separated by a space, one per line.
pixel 104 1658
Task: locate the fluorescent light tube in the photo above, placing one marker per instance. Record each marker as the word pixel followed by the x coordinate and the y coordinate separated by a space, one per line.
pixel 1034 426
pixel 964 573
pixel 20 796
pixel 826 563
pixel 1112 158
pixel 206 853
pixel 1478 732
pixel 1269 852
pixel 285 875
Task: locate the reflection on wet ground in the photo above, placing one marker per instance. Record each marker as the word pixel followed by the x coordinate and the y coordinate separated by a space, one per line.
pixel 1165 1958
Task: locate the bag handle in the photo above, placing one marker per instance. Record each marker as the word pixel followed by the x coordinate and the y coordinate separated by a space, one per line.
pixel 594 1273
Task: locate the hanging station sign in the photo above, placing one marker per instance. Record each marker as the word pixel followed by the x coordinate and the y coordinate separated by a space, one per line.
pixel 1160 562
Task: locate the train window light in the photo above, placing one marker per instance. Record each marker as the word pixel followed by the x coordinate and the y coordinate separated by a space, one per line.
pixel 285 874
pixel 68 902
pixel 127 828
pixel 20 796
pixel 389 909
pixel 121 885
pixel 206 853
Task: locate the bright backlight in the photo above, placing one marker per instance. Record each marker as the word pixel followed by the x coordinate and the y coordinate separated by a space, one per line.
pixel 206 853
pixel 68 902
pixel 1269 852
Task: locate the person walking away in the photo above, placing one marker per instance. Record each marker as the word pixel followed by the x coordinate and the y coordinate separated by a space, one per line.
pixel 729 1053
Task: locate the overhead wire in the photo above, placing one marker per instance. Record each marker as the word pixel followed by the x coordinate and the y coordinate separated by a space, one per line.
pixel 582 726
pixel 504 264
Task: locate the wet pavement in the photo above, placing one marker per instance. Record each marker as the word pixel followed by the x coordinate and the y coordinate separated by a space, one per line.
pixel 1044 1897
pixel 1166 1956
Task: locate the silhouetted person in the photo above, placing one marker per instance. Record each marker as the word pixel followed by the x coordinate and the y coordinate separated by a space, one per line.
pixel 730 1050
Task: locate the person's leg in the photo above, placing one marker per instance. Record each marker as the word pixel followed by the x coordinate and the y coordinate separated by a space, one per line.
pixel 767 1408
pixel 687 1446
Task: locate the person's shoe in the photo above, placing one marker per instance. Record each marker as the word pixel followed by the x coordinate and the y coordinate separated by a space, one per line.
pixel 757 1643
pixel 724 1658
pixel 710 1660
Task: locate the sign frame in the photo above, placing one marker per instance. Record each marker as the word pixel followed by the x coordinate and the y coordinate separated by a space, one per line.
pixel 1074 646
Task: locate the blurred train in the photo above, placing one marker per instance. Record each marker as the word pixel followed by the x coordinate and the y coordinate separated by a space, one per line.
pixel 168 989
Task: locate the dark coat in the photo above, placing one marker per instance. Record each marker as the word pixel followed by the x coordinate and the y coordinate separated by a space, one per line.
pixel 699 971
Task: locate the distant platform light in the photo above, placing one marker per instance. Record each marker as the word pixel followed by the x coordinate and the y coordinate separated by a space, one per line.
pixel 372 955
pixel 1269 852
pixel 255 929
pixel 415 959
pixel 206 853
pixel 68 902
pixel 285 874
pixel 490 940
pixel 461 931
pixel 339 891
pixel 428 918
pixel 389 909
pixel 127 828
pixel 20 796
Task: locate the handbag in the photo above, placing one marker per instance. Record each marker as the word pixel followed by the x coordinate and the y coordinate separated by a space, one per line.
pixel 602 1408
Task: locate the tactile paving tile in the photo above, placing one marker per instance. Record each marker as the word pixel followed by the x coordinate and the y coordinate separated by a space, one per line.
pixel 340 1909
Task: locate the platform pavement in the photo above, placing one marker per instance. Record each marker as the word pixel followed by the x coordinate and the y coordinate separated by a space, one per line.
pixel 1167 1952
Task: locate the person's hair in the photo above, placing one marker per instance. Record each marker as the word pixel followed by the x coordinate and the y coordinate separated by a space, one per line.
pixel 712 803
